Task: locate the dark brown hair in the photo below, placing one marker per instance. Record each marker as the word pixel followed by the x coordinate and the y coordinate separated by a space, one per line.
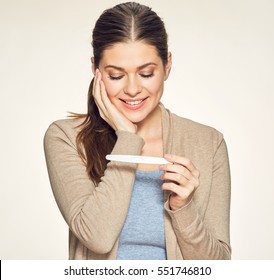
pixel 123 23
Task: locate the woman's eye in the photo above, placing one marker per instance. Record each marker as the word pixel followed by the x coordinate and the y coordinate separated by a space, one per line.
pixel 147 75
pixel 116 77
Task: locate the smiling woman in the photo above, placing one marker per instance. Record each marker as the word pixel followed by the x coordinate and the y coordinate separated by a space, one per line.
pixel 134 75
pixel 118 210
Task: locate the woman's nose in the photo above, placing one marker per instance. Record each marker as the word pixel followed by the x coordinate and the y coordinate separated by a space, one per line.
pixel 132 87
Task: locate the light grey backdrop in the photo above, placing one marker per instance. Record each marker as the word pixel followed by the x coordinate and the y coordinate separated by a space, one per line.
pixel 222 76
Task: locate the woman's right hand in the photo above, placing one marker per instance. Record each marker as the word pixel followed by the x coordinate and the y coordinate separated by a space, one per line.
pixel 107 110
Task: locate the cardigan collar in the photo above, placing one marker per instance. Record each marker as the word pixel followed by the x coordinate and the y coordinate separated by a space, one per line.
pixel 167 129
pixel 172 249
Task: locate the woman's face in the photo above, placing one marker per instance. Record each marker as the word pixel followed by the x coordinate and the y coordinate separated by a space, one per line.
pixel 134 75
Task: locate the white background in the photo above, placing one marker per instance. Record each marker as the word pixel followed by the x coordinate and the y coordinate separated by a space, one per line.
pixel 222 76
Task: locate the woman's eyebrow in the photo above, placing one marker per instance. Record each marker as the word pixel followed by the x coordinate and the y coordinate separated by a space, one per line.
pixel 146 64
pixel 122 69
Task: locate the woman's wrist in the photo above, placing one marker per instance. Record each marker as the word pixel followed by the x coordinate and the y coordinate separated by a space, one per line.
pixel 131 129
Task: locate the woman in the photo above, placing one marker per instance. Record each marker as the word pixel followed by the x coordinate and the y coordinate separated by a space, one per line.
pixel 118 210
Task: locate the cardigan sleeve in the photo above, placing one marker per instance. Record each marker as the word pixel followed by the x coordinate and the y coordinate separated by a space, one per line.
pixel 207 237
pixel 95 215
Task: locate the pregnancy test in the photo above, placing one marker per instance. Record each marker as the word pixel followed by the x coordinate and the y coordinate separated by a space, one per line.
pixel 137 159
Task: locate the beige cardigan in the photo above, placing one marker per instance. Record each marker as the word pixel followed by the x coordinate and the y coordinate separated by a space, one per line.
pixel 95 216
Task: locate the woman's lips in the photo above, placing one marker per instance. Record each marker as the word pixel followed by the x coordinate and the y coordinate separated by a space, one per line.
pixel 133 104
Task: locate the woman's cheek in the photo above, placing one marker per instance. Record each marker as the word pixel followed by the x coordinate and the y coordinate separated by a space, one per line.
pixel 155 86
pixel 112 87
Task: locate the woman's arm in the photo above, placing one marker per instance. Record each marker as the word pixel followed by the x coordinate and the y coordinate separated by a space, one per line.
pixel 94 214
pixel 207 238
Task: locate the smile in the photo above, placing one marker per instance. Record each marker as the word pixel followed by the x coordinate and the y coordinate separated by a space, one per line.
pixel 133 104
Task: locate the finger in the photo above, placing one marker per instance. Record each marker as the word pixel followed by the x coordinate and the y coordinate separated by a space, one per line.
pixel 106 104
pixel 175 177
pixel 183 161
pixel 104 95
pixel 109 108
pixel 96 87
pixel 176 168
pixel 95 83
pixel 180 179
pixel 97 93
pixel 112 110
pixel 183 193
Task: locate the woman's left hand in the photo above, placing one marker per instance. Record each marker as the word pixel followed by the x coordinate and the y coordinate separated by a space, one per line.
pixel 182 180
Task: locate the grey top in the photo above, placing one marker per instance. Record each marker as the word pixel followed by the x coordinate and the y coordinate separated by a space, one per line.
pixel 143 235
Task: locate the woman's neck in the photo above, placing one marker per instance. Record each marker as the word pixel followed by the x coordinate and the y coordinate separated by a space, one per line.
pixel 151 127
pixel 151 131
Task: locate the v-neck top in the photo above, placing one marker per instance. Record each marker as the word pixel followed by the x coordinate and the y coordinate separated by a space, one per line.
pixel 143 234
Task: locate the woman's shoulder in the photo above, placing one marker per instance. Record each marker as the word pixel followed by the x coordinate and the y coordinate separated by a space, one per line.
pixel 194 130
pixel 191 124
pixel 64 128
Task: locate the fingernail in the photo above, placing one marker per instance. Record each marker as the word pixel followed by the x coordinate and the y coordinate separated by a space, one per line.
pixel 167 156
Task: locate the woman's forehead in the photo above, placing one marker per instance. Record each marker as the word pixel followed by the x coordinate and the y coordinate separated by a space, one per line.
pixel 132 54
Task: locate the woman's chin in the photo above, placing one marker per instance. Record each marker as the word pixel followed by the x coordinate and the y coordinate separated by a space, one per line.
pixel 134 116
pixel 136 120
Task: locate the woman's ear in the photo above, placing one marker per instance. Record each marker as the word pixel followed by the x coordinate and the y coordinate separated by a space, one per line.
pixel 92 65
pixel 168 65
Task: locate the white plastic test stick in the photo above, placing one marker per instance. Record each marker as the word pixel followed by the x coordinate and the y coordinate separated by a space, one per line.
pixel 137 159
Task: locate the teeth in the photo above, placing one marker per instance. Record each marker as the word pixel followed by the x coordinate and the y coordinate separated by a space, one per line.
pixel 134 102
